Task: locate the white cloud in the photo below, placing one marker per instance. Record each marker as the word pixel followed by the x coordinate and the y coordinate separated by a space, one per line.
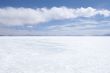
pixel 105 13
pixel 81 27
pixel 22 16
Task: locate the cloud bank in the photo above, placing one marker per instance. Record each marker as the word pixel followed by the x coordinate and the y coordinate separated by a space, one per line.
pixel 80 27
pixel 23 16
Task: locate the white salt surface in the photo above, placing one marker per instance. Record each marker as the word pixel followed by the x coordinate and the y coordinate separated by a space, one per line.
pixel 49 54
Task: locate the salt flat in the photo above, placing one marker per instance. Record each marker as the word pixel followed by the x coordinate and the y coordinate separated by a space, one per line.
pixel 54 54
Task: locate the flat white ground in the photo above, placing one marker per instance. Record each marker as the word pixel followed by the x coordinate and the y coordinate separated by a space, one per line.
pixel 54 54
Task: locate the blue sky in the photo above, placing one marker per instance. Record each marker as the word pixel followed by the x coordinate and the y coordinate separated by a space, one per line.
pixel 54 17
pixel 51 3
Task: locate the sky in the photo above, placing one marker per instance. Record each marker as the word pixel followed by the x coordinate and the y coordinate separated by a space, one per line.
pixel 55 17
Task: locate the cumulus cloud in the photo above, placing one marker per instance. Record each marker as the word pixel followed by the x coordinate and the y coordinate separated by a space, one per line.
pixel 23 16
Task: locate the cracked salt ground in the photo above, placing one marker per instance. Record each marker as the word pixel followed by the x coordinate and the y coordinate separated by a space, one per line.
pixel 54 55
